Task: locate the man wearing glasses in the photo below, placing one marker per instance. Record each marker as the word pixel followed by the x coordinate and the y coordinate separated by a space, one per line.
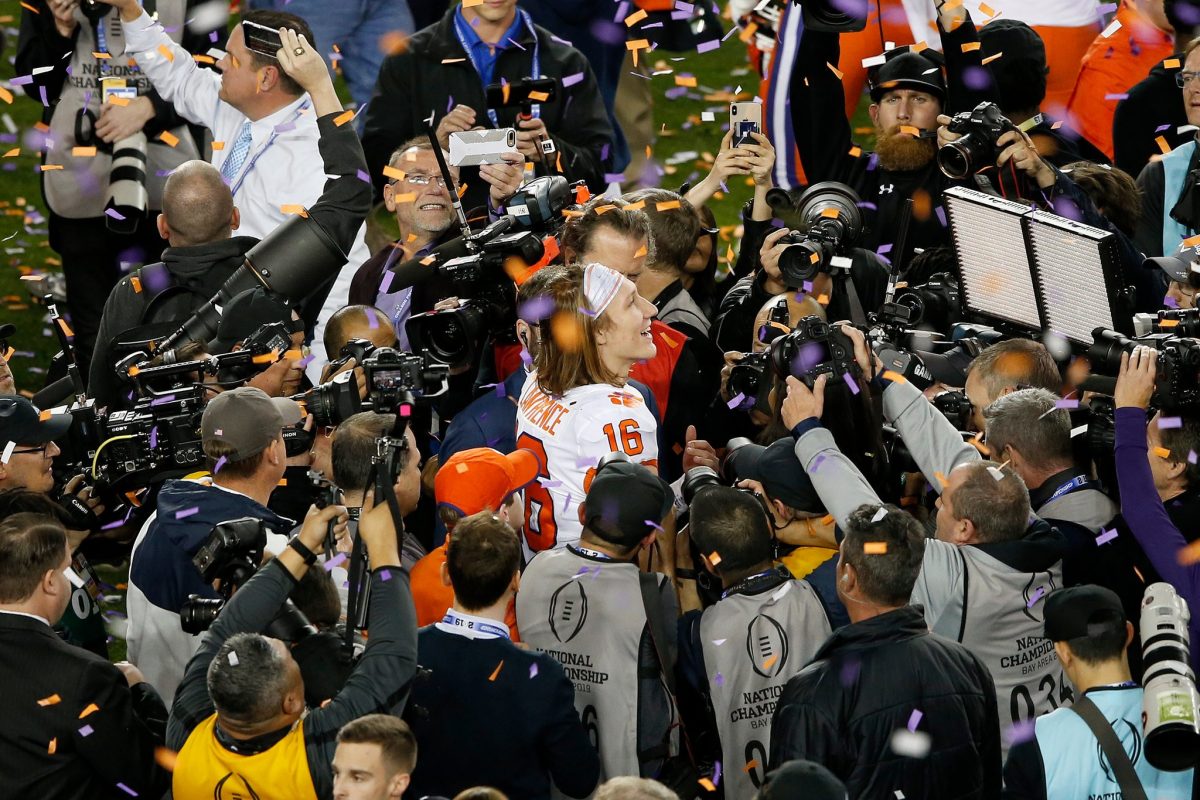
pixel 1171 186
pixel 417 195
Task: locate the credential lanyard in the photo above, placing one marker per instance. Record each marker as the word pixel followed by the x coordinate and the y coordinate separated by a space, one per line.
pixel 475 625
pixel 246 170
pixel 459 22
pixel 1073 485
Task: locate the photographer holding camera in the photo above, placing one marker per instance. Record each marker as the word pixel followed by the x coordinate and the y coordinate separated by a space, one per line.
pixel 1066 756
pixel 239 720
pixel 1154 460
pixel 111 139
pixel 243 445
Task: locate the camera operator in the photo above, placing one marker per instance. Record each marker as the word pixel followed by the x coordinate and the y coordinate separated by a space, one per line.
pixel 357 322
pixel 200 215
pixel 111 138
pixel 844 711
pixel 985 529
pixel 446 69
pixel 242 441
pixel 623 625
pixel 421 204
pixel 1154 468
pixel 75 726
pixel 1064 758
pixel 239 718
pixel 353 447
pixel 1182 281
pixel 768 625
pixel 908 92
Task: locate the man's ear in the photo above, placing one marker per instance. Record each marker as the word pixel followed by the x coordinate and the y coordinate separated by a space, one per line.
pixel 268 78
pixel 1128 634
pixel 50 583
pixel 293 703
pixel 399 785
pixel 515 585
pixel 1175 468
pixel 1065 656
pixel 389 198
pixel 445 574
pixel 164 230
pixel 235 219
pixel 964 531
pixel 648 541
pixel 873 110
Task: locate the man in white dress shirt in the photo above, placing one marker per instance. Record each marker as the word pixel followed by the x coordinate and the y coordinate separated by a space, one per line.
pixel 264 129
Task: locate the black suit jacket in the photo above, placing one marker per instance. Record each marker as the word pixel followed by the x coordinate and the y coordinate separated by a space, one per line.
pixel 71 726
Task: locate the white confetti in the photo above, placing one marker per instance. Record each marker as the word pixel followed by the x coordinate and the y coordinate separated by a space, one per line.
pixel 233 659
pixel 8 450
pixel 911 744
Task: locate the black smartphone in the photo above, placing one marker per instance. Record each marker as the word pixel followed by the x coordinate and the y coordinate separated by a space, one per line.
pixel 261 39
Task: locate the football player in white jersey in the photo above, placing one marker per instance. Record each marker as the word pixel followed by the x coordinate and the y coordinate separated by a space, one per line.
pixel 575 407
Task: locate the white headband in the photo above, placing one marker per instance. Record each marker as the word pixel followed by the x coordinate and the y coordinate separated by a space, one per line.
pixel 600 286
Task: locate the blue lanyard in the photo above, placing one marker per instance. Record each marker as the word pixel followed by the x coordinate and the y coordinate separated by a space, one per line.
pixel 596 554
pixel 537 70
pixel 489 628
pixel 246 170
pixel 1080 482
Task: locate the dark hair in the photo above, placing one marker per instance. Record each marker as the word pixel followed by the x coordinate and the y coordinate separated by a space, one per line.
pixel 887 570
pixel 30 546
pixel 481 793
pixel 1113 191
pixel 704 282
pixel 215 450
pixel 997 507
pixel 353 448
pixel 929 262
pixel 21 500
pixel 392 734
pixel 338 328
pixel 1183 442
pixel 601 212
pixel 276 20
pixel 316 596
pixel 482 556
pixel 1016 362
pixel 674 229
pixel 1105 639
pixel 734 526
pixel 248 687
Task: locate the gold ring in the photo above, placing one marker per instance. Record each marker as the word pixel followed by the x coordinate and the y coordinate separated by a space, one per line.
pixel 299 51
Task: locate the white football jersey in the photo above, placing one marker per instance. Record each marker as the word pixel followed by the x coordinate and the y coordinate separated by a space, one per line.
pixel 570 434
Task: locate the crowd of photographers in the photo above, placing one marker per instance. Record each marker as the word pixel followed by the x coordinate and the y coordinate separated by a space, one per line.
pixel 551 497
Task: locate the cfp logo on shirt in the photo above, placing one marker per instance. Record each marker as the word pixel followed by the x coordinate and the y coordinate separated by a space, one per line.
pixel 568 611
pixel 234 787
pixel 1131 740
pixel 767 646
pixel 1040 585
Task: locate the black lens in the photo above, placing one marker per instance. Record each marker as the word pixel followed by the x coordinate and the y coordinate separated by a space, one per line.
pixel 1105 352
pixel 803 261
pixel 954 159
pixel 696 480
pixel 197 614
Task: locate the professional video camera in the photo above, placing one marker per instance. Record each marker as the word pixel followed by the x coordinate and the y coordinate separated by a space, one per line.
pixel 933 305
pixel 392 378
pixel 1178 380
pixel 1170 702
pixel 231 554
pixel 1174 321
pixel 976 149
pixel 811 349
pixel 831 221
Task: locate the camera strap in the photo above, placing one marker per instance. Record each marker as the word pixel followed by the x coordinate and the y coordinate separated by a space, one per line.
pixel 1114 751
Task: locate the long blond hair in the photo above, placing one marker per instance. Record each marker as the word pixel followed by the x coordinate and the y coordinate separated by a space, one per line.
pixel 569 356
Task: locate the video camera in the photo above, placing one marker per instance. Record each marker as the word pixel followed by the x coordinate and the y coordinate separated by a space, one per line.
pixel 392 377
pixel 1177 385
pixel 977 148
pixel 1173 321
pixel 830 220
pixel 523 94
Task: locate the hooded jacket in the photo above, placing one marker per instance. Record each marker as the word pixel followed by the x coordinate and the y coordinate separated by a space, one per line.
pixel 882 675
pixel 161 573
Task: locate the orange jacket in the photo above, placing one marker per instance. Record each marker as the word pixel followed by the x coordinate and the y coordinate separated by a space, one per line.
pixel 1110 68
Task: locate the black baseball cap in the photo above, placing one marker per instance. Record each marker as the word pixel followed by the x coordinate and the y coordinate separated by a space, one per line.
pixel 22 423
pixel 780 473
pixel 904 68
pixel 1076 612
pixel 1015 39
pixel 1182 266
pixel 625 503
pixel 800 778
pixel 249 311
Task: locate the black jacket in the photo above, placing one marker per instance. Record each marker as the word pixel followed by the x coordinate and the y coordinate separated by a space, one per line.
pixel 71 727
pixel 434 72
pixel 864 684
pixel 378 684
pixel 1153 108
pixel 340 210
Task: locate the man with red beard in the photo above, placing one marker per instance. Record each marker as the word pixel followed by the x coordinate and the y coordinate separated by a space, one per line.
pixel 909 90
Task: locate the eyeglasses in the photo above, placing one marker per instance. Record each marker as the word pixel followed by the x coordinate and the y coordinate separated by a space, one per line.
pixel 423 180
pixel 1182 79
pixel 30 450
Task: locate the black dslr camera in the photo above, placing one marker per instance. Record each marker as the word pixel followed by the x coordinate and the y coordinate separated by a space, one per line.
pixel 976 150
pixel 231 554
pixel 811 349
pixel 1177 385
pixel 394 377
pixel 831 220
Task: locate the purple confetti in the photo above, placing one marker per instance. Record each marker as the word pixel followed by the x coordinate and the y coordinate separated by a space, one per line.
pixel 1161 128
pixel 450 104
pixel 127 790
pixel 682 6
pixel 386 282
pixel 719 679
pixel 363 176
pixel 1066 403
pixel 158 401
pixel 1191 456
pixel 385 575
pixel 1116 96
pixel 716 777
pixel 86 730
pixel 532 671
pixel 1106 536
pixel 549 483
pixel 737 401
pixel 1022 731
pixel 654 525
pixel 500 390
pixel 334 562
pixel 220 463
pixel 117 215
pixel 614 177
pixel 21 80
pixel 941 215
pixel 187 512
pixel 1037 595
pixel 710 45
pixel 603 150
pixel 1169 422
pixel 571 80
pixel 154 437
pixel 816 465
pixel 537 309
pixel 849 379
pixel 914 719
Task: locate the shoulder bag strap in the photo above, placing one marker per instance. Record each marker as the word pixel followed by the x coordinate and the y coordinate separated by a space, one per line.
pixel 659 636
pixel 1118 759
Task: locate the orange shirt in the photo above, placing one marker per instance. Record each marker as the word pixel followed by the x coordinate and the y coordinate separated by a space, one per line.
pixel 433 598
pixel 1110 68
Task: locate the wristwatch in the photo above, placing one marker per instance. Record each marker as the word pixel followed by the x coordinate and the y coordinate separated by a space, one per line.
pixel 309 556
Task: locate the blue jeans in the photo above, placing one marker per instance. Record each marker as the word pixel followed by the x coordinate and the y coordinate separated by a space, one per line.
pixel 356 27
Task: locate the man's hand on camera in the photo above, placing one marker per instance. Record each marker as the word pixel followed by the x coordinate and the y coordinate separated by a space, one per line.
pixel 305 458
pixel 944 136
pixel 731 360
pixel 768 257
pixel 63 12
pixel 530 133
pixel 802 403
pixel 133 675
pixel 1135 382
pixel 1021 151
pixel 271 379
pixel 316 524
pixel 697 452
pixel 503 180
pixel 360 376
pixel 85 494
pixel 121 122
pixel 461 118
pixel 378 531
pixel 868 362
pixel 303 64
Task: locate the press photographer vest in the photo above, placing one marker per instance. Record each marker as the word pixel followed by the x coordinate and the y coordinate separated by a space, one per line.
pixel 77 190
pixel 588 615
pixel 1175 171
pixel 753 644
pixel 204 770
pixel 996 613
pixel 1076 766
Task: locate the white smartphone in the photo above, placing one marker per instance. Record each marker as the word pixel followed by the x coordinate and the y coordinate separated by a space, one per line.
pixel 472 148
pixel 744 119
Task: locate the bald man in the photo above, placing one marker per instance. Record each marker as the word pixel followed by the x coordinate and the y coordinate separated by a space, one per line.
pixel 357 322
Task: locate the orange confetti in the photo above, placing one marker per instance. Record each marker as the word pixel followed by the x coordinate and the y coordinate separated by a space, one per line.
pixel 829 213
pixel 666 205
pixel 1162 144
pixel 92 708
pixel 101 56
pixel 911 131
pixel 970 47
pixel 894 376
pixel 714 558
pixel 941 479
pixel 200 58
pixel 16 151
pixel 638 206
pixel 166 758
pixel 567 331
pixel 6 95
pixel 118 101
pixel 635 17
pixel 168 138
pixel 218 146
pixel 53 746
pixel 987 10
pixel 823 299
pixel 49 167
pixel 540 97
pixel 685 80
pixel 294 209
pixel 66 329
pixel 855 151
pixel 837 72
pixel 52 700
pixel 266 358
pixel 166 52
pixel 748 32
pixel 406 197
pixel 751 764
pixel 637 44
pixel 29 7
pixel 1162 452
pixel 393 173
pixel 875 548
pixel 1190 554
pixel 1171 63
pixel 707 784
pixel 343 118
pixel 472 3
pixel 770 662
pixel 136 283
pixel 83 152
pixel 495 674
pixel 44 415
pixel 992 58
pixel 641 251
